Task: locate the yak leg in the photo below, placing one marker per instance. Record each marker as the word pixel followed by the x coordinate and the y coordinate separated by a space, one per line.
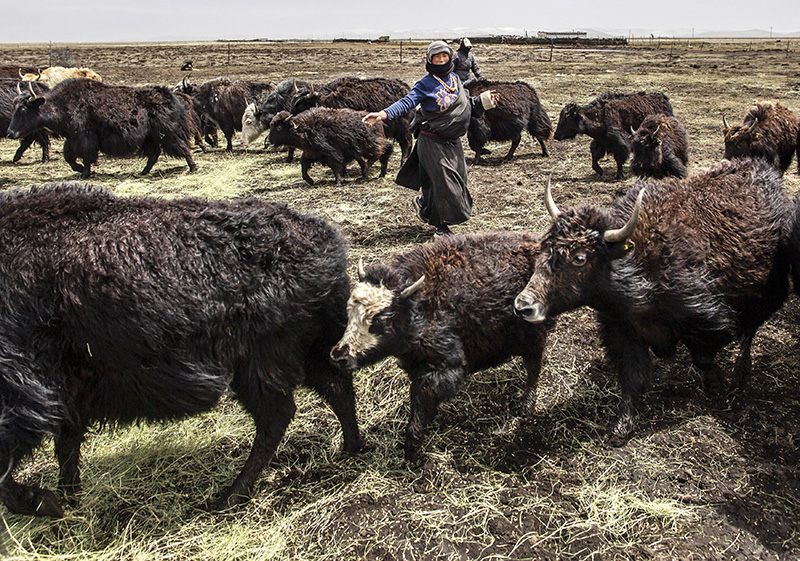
pixel 153 151
pixel 364 165
pixel 71 157
pixel 190 162
pixel 24 144
pixel 426 393
pixel 290 155
pixel 598 150
pixel 514 143
pixel 545 153
pixel 713 377
pixel 305 165
pixel 384 159
pixel 631 356
pixel 272 415
pixel 743 366
pixel 621 148
pixel 533 366
pixel 336 388
pixel 68 452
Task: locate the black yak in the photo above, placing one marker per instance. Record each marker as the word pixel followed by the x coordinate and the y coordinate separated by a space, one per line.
pixel 369 94
pixel 518 109
pixel 660 147
pixel 10 89
pixel 769 131
pixel 444 309
pixel 223 102
pixel 117 309
pixel 610 119
pixel 116 120
pixel 331 136
pixel 699 261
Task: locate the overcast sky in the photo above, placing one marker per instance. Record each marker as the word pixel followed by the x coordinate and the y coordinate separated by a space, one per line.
pixel 75 21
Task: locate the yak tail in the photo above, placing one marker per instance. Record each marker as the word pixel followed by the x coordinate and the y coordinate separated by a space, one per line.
pixel 29 410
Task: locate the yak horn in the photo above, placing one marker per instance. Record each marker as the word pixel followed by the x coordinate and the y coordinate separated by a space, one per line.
pixel 753 126
pixel 622 234
pixel 19 90
pixel 362 274
pixel 549 203
pixel 30 87
pixel 21 75
pixel 725 123
pixel 408 291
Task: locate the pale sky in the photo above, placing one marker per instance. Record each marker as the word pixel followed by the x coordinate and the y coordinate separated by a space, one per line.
pixel 65 21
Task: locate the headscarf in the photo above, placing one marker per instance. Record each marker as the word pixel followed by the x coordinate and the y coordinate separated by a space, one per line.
pixel 440 70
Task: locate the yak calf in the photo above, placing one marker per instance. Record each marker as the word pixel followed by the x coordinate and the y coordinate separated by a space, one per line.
pixel 332 136
pixel 444 309
pixel 117 309
pixel 660 147
pixel 699 261
pixel 10 89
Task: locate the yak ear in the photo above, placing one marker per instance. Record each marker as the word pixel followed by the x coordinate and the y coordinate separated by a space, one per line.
pixel 411 290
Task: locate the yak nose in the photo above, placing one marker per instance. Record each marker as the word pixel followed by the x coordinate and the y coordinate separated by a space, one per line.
pixel 339 353
pixel 527 309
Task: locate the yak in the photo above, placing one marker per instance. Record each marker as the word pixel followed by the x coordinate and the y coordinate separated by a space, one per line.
pixel 223 101
pixel 444 309
pixel 700 261
pixel 56 74
pixel 518 108
pixel 610 120
pixel 10 89
pixel 120 309
pixel 332 136
pixel 257 117
pixel 770 131
pixel 369 94
pixel 660 147
pixel 116 120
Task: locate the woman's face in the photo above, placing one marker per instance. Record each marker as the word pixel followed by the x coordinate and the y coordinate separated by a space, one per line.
pixel 440 58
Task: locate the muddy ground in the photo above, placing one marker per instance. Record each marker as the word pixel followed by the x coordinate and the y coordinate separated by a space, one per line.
pixel 701 479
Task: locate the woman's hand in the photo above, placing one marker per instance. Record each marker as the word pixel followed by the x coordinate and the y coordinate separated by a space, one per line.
pixel 372 118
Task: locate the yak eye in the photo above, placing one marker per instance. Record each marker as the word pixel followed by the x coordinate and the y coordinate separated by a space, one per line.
pixel 578 258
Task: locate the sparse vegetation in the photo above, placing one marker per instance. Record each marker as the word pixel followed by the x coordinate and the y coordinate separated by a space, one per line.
pixel 698 481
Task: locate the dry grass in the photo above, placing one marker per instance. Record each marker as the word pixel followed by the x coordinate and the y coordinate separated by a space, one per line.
pixel 699 480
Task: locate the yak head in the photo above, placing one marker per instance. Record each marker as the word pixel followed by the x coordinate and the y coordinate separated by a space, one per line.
pixel 646 146
pixel 27 113
pixel 251 125
pixel 303 99
pixel 379 306
pixel 282 129
pixel 571 122
pixel 577 255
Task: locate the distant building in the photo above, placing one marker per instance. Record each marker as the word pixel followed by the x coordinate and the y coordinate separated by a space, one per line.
pixel 561 34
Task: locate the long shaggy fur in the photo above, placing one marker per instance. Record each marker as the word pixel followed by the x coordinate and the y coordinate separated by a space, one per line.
pixel 707 262
pixel 116 120
pixel 9 91
pixel 120 309
pixel 461 320
pixel 369 94
pixel 518 109
pixel 660 147
pixel 769 131
pixel 609 120
pixel 332 136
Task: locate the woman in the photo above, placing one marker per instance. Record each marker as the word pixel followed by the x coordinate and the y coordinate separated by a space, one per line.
pixel 436 164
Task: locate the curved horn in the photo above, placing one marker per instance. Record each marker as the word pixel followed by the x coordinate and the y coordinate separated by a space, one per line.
pixel 408 291
pixel 753 126
pixel 21 75
pixel 549 203
pixel 362 274
pixel 19 90
pixel 622 234
pixel 30 87
pixel 725 123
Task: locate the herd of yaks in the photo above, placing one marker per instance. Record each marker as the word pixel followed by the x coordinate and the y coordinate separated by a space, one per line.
pixel 117 309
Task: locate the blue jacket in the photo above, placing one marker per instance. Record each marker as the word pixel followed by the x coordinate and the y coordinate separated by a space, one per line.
pixel 429 94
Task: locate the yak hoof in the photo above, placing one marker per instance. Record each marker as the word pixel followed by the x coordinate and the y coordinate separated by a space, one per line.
pixel 33 501
pixel 227 501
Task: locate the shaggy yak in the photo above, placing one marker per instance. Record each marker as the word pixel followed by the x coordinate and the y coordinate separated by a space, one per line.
pixel 660 147
pixel 332 136
pixel 610 120
pixel 119 309
pixel 769 131
pixel 518 109
pixel 700 261
pixel 116 120
pixel 444 309
pixel 10 89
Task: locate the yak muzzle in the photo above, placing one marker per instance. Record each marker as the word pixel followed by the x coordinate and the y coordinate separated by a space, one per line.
pixel 527 309
pixel 340 356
